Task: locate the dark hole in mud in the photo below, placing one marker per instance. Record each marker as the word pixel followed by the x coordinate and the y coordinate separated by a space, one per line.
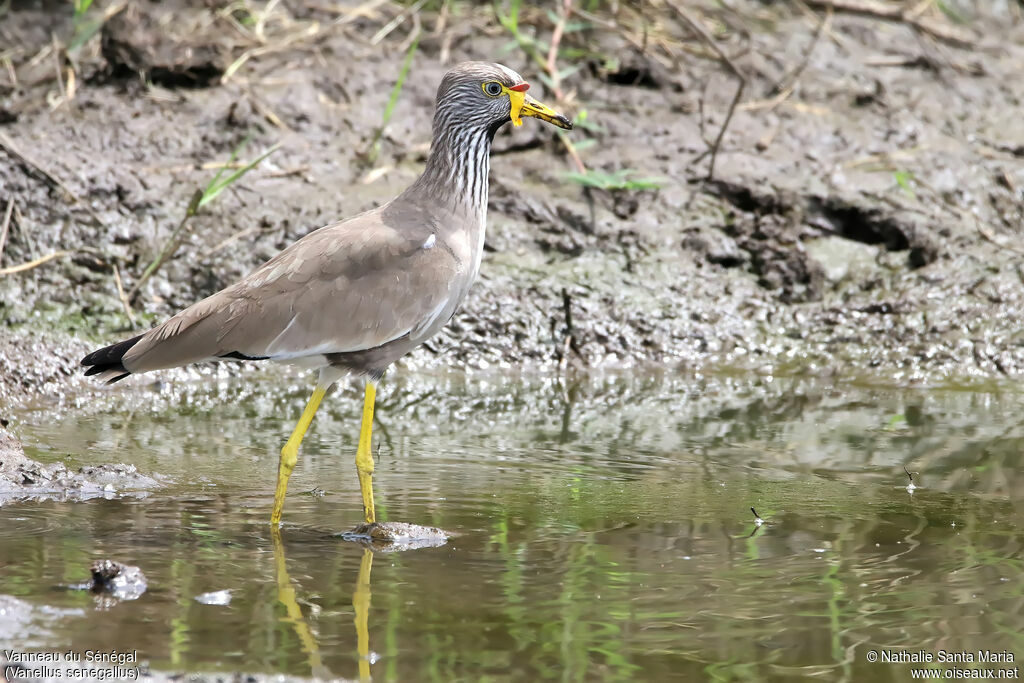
pixel 135 43
pixel 636 70
pixel 746 199
pixel 861 224
pixel 734 260
pixel 837 215
pixel 631 75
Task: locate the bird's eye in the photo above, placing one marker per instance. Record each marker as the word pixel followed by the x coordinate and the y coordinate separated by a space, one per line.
pixel 493 88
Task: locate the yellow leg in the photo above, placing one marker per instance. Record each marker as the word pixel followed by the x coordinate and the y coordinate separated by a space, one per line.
pixel 364 459
pixel 290 452
pixel 361 605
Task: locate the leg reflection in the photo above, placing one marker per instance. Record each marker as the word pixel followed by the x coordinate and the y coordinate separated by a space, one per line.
pixel 286 596
pixel 361 604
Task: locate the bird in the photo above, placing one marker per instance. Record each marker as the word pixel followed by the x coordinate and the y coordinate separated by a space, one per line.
pixel 354 296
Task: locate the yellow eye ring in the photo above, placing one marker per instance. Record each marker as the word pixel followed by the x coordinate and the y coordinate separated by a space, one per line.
pixel 493 88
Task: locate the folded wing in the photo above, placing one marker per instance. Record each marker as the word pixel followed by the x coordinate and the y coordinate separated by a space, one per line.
pixel 344 288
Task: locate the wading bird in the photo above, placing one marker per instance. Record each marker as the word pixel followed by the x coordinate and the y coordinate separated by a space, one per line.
pixel 356 295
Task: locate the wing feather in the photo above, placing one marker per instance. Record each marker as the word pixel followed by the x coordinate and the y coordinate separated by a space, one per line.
pixel 347 287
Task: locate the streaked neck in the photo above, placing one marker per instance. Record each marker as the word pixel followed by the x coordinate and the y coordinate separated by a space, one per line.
pixel 458 167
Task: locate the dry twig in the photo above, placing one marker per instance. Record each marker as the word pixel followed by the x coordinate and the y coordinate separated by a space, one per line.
pixel 788 82
pixel 34 263
pixel 5 226
pixel 989 236
pixel 394 23
pixel 556 38
pixel 50 178
pixel 729 64
pixel 570 343
pixel 910 16
pixel 612 26
pixel 122 297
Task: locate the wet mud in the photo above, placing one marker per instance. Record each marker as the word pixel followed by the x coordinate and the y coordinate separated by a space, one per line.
pixel 22 478
pixel 862 221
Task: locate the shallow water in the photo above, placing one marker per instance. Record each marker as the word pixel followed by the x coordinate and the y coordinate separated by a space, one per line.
pixel 603 530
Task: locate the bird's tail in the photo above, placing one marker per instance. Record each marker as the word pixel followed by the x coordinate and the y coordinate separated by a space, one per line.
pixel 106 362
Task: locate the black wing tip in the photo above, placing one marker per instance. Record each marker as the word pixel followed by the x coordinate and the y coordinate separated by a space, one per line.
pixel 109 359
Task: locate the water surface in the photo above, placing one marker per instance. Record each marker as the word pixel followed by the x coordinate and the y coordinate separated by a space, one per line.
pixel 603 529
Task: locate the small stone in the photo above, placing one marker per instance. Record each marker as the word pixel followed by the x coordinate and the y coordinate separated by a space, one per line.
pixel 122 581
pixel 397 536
pixel 222 597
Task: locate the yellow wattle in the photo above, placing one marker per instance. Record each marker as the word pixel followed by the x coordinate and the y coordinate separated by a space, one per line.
pixel 517 99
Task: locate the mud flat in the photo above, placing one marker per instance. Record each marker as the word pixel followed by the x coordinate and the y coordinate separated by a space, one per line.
pixel 862 222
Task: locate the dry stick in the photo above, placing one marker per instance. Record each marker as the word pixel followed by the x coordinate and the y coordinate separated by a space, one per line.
pixel 258 29
pixel 57 52
pixel 556 38
pixel 232 238
pixel 442 19
pixel 122 297
pixel 7 144
pixel 911 17
pixel 987 234
pixel 916 11
pixel 570 330
pixel 563 362
pixel 349 14
pixel 309 32
pixel 33 263
pixel 788 82
pixel 414 33
pixel 709 41
pixel 573 154
pixel 612 26
pixel 170 246
pixel 394 23
pixel 53 180
pixel 11 72
pixel 5 226
pixel 267 112
pixel 781 97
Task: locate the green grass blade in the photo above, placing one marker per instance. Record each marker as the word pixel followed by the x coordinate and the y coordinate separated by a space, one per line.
pixel 619 180
pixel 396 91
pixel 215 187
pixel 234 155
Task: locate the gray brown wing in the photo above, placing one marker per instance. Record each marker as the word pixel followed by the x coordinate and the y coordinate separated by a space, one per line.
pixel 346 287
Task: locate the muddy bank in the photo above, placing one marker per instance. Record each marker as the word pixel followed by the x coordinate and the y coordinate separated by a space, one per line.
pixel 22 478
pixel 862 221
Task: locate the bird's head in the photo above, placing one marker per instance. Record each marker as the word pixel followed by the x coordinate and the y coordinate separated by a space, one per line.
pixel 481 94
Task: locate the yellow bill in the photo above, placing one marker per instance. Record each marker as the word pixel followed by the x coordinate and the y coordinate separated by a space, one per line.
pixel 524 105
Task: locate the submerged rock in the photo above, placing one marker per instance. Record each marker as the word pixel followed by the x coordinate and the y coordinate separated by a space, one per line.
pixel 122 581
pixel 397 536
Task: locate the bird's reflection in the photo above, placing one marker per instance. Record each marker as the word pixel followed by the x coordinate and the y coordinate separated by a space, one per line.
pixel 360 602
pixel 286 596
